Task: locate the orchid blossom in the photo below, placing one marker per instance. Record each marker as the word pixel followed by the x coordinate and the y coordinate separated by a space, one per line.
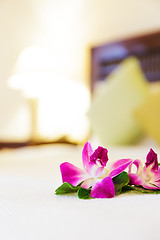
pixel 147 176
pixel 95 175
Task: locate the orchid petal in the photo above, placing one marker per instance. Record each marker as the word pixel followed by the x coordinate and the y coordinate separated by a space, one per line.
pixel 71 174
pixel 135 179
pixel 156 176
pixel 86 153
pixel 151 185
pixel 138 164
pixel 101 172
pixel 91 169
pixel 119 166
pixel 151 160
pixel 88 183
pixel 148 178
pixel 157 183
pixel 103 189
pixel 100 155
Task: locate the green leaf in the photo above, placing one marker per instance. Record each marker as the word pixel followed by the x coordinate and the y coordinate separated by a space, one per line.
pixel 139 189
pixel 84 193
pixel 66 188
pixel 158 164
pixel 120 181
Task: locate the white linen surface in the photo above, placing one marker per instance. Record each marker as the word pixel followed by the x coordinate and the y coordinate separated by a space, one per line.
pixel 29 209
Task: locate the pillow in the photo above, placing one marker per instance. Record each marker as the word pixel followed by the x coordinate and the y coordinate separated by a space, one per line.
pixel 148 115
pixel 111 113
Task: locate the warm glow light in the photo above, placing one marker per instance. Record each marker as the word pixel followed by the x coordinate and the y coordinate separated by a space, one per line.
pixel 62 103
pixel 65 103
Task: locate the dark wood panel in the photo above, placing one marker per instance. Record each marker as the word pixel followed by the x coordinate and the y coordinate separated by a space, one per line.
pixel 12 145
pixel 106 57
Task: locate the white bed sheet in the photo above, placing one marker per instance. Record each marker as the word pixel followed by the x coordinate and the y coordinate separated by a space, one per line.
pixel 29 209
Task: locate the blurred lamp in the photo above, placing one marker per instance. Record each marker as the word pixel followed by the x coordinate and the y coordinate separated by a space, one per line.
pixel 58 105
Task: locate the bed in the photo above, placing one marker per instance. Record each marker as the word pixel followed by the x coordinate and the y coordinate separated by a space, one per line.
pixel 29 208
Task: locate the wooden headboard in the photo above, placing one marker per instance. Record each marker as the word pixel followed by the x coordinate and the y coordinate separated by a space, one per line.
pixel 106 57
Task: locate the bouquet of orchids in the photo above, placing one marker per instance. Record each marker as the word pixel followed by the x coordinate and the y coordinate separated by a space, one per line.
pixel 96 180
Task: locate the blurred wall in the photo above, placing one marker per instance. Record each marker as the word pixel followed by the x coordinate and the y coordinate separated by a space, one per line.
pixel 67 28
pixel 17 19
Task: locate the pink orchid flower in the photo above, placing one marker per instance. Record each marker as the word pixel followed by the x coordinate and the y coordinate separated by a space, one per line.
pixel 95 173
pixel 148 175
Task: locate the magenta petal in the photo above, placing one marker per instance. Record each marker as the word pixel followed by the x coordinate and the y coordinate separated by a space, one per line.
pixel 138 164
pixel 71 174
pixel 103 189
pixel 119 166
pixel 151 186
pixel 86 153
pixel 156 175
pixel 156 184
pixel 101 172
pixel 138 181
pixel 91 169
pixel 135 179
pixel 151 160
pixel 100 155
pixel 88 183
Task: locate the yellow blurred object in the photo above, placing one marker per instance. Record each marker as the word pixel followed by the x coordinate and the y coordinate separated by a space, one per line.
pixel 112 109
pixel 148 114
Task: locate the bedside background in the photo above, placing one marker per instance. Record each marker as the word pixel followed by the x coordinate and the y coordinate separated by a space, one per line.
pixel 44 96
pixel 67 30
